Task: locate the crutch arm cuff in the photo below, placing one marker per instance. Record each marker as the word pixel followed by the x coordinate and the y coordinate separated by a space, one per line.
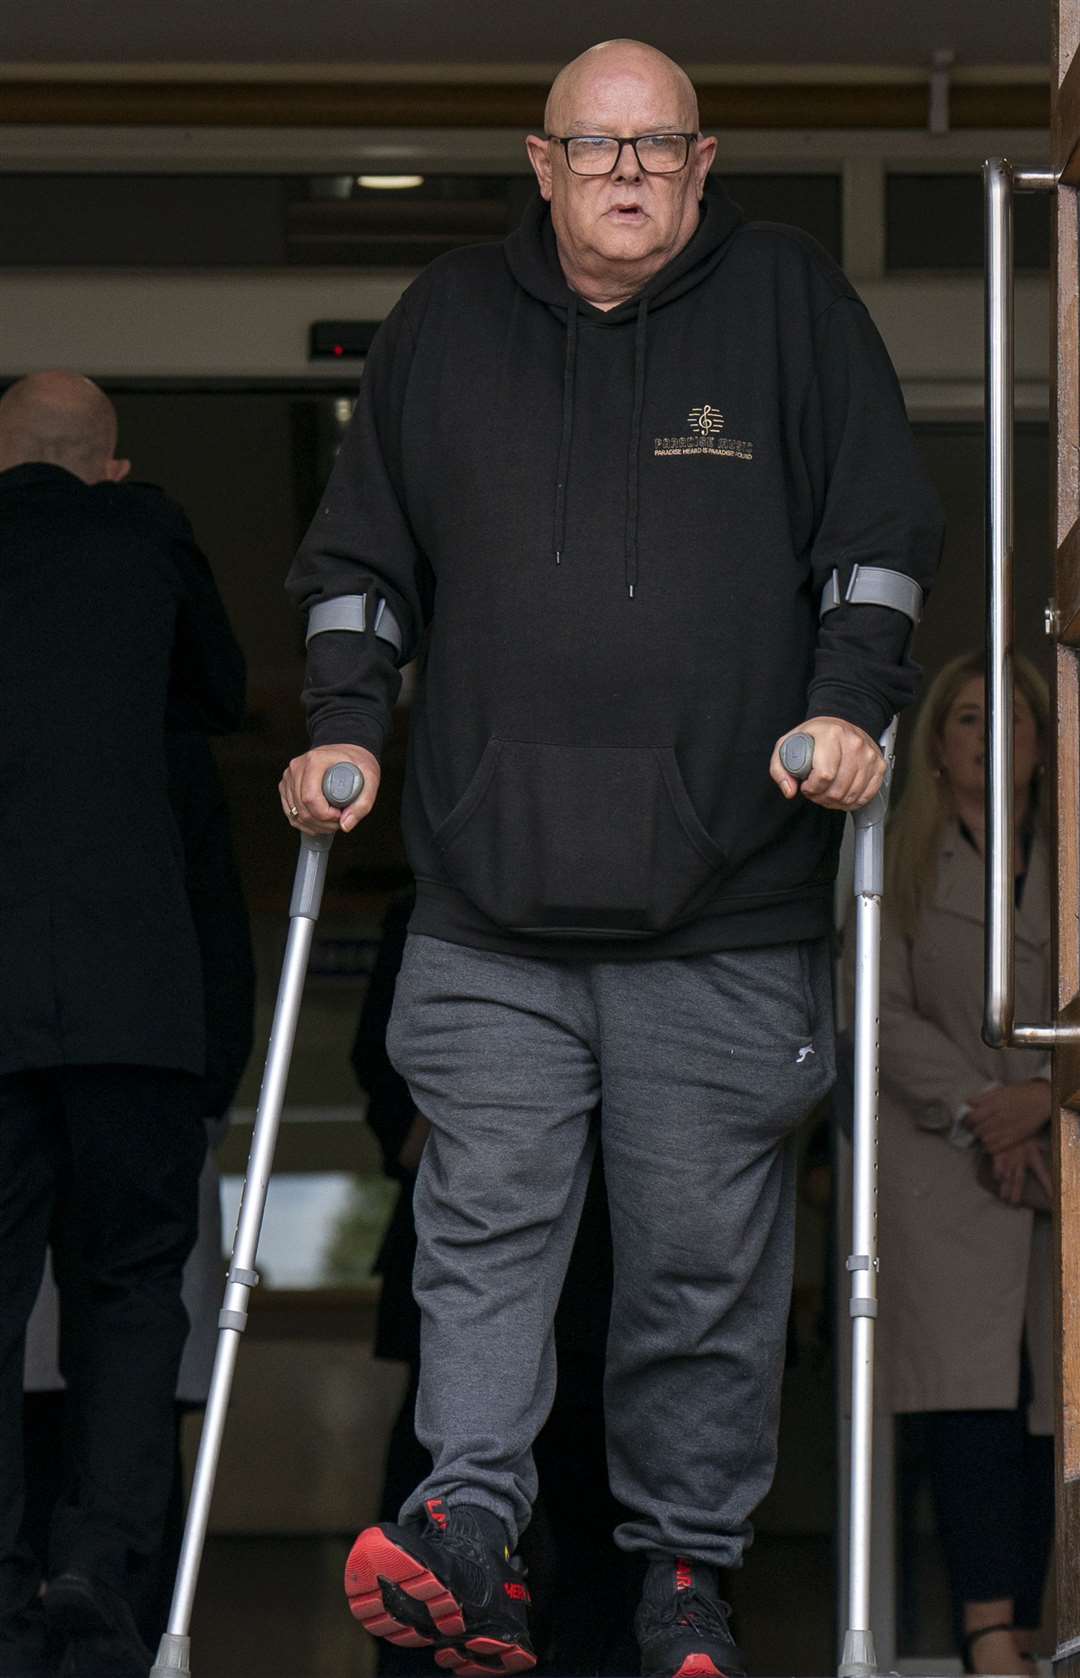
pixel 874 585
pixel 352 613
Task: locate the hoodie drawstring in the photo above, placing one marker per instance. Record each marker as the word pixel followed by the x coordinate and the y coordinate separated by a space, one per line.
pixel 633 464
pixel 633 461
pixel 567 435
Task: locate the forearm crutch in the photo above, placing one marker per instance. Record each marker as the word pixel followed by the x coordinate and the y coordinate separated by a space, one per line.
pixel 859 1659
pixel 341 786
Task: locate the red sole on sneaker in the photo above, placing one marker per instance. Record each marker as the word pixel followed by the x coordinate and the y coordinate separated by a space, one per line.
pixel 375 1557
pixel 492 1656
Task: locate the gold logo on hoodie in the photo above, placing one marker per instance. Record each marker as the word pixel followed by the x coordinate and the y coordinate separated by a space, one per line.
pixel 707 436
pixel 706 419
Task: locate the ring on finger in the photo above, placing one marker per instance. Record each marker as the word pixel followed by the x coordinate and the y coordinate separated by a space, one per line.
pixel 293 811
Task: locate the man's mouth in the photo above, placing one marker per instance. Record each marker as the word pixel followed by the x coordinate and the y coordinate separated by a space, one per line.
pixel 631 213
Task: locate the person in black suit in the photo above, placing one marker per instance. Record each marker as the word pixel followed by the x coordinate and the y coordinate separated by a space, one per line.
pixel 109 619
pixel 216 897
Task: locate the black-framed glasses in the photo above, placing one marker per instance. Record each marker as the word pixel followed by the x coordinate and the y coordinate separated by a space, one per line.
pixel 599 154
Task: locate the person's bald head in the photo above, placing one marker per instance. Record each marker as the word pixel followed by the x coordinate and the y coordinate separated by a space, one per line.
pixel 60 419
pixel 615 230
pixel 586 77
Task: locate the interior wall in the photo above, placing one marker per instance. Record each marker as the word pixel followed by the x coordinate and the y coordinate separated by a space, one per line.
pixel 244 326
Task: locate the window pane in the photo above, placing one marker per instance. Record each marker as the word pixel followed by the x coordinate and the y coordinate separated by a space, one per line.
pixel 250 221
pixel 136 221
pixel 936 221
pixel 322 1229
pixel 812 202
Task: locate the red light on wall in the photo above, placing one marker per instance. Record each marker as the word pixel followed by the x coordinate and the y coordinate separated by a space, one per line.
pixel 340 340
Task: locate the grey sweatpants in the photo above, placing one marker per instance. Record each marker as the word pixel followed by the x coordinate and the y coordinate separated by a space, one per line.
pixel 703 1067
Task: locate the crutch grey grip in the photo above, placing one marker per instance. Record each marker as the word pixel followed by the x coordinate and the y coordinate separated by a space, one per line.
pixel 342 785
pixel 797 755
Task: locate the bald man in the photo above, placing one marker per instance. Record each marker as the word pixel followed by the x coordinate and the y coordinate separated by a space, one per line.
pixel 61 419
pixel 111 629
pixel 639 489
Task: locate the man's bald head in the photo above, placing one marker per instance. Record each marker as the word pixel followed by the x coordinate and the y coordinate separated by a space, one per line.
pixel 588 74
pixel 60 419
pixel 617 226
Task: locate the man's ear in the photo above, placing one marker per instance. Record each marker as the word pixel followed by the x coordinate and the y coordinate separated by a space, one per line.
pixel 705 150
pixel 116 471
pixel 540 157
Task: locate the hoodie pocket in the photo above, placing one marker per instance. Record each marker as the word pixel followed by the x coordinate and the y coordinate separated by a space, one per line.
pixel 578 839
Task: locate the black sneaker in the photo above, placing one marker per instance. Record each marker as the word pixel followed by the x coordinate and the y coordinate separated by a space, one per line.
pixel 97 1625
pixel 104 1656
pixel 682 1626
pixel 25 1650
pixel 447 1583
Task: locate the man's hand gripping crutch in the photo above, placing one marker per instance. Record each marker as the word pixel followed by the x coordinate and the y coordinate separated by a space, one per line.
pixel 844 770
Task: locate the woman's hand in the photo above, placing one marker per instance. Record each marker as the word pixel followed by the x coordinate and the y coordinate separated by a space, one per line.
pixel 1012 1165
pixel 1009 1114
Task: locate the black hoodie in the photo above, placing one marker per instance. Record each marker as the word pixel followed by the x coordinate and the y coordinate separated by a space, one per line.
pixel 607 533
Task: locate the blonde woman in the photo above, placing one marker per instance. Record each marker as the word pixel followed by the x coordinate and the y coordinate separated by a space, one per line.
pixel 966 1279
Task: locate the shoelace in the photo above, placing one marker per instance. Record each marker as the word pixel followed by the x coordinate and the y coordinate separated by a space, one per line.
pixel 701 1613
pixel 462 1537
pixel 458 1537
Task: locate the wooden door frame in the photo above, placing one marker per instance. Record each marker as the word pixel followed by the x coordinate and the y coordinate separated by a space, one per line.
pixel 1065 524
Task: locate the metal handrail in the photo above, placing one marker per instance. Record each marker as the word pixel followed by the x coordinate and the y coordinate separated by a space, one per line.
pixel 1000 1030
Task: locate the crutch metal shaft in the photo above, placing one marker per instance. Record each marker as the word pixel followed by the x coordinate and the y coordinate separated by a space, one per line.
pixel 859 1658
pixel 341 786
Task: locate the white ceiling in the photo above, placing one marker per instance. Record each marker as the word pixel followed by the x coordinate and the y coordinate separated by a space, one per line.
pixel 900 33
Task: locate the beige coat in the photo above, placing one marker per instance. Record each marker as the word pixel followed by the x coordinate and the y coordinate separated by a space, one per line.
pixel 962 1273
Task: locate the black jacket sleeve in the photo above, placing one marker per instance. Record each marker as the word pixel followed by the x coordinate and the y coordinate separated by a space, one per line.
pixel 361 543
pixel 876 507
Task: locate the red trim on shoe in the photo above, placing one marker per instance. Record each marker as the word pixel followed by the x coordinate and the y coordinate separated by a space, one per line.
pixel 436 1509
pixel 493 1656
pixel 699 1666
pixel 684 1574
pixel 375 1557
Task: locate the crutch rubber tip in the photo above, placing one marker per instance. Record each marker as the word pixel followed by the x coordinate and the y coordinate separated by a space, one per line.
pixel 173 1657
pixel 342 785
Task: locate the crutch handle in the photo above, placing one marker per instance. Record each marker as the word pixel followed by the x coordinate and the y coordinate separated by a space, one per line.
pixel 797 755
pixel 342 785
pixel 797 758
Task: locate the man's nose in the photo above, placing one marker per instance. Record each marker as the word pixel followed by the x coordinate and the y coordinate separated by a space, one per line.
pixel 627 167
